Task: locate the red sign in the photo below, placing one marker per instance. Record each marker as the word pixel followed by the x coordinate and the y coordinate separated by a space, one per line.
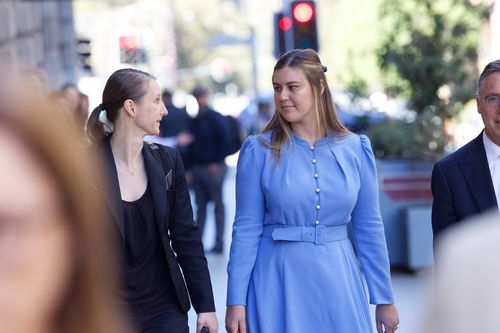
pixel 407 187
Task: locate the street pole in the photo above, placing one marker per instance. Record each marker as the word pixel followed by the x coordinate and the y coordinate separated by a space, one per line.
pixel 289 43
pixel 253 48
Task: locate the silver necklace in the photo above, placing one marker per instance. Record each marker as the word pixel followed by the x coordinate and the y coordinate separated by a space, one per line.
pixel 131 172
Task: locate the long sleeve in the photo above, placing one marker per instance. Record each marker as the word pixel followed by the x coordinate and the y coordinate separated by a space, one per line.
pixel 248 223
pixel 443 214
pixel 187 244
pixel 369 233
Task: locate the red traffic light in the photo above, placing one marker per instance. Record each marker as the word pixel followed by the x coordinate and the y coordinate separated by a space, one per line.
pixel 285 23
pixel 303 12
pixel 129 42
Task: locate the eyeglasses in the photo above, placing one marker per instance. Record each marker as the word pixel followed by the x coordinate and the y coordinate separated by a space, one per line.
pixel 492 100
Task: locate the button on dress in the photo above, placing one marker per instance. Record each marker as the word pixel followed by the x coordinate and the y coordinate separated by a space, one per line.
pixel 291 262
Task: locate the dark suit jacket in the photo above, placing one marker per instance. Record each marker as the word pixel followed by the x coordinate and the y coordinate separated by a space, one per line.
pixel 461 185
pixel 179 234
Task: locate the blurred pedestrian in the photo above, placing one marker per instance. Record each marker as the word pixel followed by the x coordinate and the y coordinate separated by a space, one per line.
pixel 466 288
pixel 264 114
pixel 206 157
pixel 299 185
pixel 467 182
pixel 76 104
pixel 256 116
pixel 56 264
pixel 174 127
pixel 147 194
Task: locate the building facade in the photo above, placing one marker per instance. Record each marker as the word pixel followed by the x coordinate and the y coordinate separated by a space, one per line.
pixel 38 35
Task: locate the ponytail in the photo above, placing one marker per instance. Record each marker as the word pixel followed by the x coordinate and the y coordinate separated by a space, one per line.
pixel 96 130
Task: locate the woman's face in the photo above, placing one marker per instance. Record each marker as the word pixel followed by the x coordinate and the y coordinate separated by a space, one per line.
pixel 35 243
pixel 151 109
pixel 293 96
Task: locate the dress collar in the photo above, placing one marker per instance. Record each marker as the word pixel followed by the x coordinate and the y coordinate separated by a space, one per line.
pixel 298 140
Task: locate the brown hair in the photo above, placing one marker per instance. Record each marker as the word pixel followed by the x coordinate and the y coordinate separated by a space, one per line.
pixel 127 83
pixel 88 304
pixel 308 61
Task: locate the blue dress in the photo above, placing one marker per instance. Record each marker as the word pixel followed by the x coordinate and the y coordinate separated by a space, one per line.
pixel 291 262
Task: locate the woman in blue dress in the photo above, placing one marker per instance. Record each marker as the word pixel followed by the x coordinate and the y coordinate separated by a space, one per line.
pixel 299 184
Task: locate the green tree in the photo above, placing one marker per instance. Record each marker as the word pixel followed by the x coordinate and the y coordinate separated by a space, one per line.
pixel 429 56
pixel 196 23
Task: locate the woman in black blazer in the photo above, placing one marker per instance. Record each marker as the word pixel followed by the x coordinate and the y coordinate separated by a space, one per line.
pixel 148 198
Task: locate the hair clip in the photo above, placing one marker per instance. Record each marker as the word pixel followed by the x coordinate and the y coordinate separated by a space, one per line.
pixel 324 68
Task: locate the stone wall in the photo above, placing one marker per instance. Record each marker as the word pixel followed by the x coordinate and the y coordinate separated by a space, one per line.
pixel 38 35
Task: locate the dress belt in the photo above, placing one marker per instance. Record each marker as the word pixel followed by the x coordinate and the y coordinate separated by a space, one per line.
pixel 318 234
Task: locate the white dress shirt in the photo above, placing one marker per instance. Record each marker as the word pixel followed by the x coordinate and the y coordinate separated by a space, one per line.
pixel 493 156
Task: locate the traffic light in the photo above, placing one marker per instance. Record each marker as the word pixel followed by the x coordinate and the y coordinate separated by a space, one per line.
pixel 305 35
pixel 83 53
pixel 282 28
pixel 132 50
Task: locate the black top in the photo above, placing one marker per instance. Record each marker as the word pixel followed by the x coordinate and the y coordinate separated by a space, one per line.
pixel 173 214
pixel 147 286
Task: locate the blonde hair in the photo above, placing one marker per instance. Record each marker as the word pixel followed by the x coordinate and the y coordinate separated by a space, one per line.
pixel 88 303
pixel 326 116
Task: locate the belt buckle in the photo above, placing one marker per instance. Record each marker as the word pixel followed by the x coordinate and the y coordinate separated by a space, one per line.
pixel 319 237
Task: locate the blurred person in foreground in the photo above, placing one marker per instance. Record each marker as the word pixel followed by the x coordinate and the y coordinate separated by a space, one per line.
pixel 146 192
pixel 467 182
pixel 56 262
pixel 467 292
pixel 206 158
pixel 299 184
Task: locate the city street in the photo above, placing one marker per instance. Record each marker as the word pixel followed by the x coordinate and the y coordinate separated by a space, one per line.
pixel 421 79
pixel 410 289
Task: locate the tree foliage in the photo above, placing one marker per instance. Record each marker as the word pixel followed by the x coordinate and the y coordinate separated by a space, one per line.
pixel 196 23
pixel 429 56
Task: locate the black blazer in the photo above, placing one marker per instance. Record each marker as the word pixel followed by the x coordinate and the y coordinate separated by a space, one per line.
pixel 174 216
pixel 461 185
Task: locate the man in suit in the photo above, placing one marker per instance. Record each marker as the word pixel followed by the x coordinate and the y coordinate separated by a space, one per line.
pixel 467 182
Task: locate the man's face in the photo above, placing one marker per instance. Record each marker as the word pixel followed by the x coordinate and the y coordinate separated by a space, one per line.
pixel 487 100
pixel 202 101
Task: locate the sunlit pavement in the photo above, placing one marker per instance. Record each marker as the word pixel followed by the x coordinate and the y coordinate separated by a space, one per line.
pixel 410 290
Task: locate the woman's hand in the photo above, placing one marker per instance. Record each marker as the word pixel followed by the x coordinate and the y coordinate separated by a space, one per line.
pixel 387 318
pixel 235 319
pixel 208 319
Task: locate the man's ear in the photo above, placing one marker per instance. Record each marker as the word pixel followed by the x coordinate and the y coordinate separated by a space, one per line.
pixel 129 107
pixel 478 103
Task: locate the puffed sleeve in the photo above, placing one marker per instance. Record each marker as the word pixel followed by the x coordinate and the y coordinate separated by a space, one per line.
pixel 248 222
pixel 369 233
